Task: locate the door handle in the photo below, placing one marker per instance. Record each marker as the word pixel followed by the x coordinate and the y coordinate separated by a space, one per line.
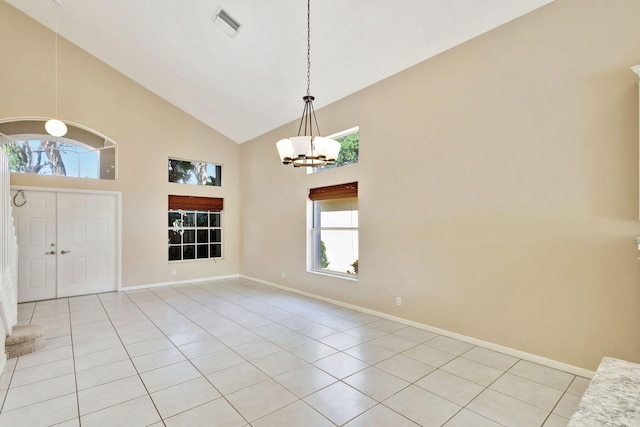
pixel 64 252
pixel 50 253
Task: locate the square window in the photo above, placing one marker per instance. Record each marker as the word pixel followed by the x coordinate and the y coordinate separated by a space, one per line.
pixel 191 235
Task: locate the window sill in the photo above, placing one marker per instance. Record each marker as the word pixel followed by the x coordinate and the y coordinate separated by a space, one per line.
pixel 335 275
pixel 176 261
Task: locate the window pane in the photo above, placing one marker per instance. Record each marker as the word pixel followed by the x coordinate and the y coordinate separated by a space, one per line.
pixel 203 236
pixel 195 172
pixel 189 236
pixel 189 252
pixel 174 237
pixel 339 213
pixel 174 219
pixel 203 251
pixel 338 249
pixel 214 219
pixel 215 236
pixel 175 253
pixel 216 251
pixel 189 219
pixel 202 219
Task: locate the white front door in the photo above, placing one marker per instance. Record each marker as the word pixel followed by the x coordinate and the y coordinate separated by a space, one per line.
pixel 86 243
pixel 35 221
pixel 80 243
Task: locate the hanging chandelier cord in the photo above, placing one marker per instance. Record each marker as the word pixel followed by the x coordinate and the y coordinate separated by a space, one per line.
pixel 308 113
pixel 56 64
pixel 308 47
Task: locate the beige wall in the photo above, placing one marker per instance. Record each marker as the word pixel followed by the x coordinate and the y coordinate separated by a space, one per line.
pixel 147 130
pixel 498 189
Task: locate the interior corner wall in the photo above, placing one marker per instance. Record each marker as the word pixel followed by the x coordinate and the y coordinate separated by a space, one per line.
pixel 147 130
pixel 498 189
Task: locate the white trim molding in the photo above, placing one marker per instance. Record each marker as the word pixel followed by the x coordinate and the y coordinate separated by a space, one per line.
pixel 179 282
pixel 486 344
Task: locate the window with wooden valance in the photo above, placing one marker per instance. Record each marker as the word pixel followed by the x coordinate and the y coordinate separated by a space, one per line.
pixel 193 203
pixel 340 191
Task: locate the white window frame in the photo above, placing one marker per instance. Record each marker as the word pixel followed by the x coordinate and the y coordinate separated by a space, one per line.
pixel 196 228
pixel 313 243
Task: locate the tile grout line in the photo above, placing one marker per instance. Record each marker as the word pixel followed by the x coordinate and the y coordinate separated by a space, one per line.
pixel 73 355
pixel 124 347
pixel 186 357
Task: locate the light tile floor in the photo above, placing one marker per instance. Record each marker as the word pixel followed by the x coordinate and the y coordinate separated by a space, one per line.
pixel 238 353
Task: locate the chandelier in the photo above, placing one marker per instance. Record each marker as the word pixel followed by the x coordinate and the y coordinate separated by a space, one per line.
pixel 308 149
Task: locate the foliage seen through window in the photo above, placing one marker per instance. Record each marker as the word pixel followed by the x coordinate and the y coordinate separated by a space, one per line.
pixel 195 173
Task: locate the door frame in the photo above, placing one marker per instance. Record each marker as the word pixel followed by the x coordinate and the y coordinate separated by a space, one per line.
pixel 117 194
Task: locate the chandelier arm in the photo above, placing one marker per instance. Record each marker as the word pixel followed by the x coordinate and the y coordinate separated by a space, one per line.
pixel 315 119
pixel 309 118
pixel 303 120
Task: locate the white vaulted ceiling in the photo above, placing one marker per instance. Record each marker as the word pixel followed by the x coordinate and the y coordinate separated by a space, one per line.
pixel 249 84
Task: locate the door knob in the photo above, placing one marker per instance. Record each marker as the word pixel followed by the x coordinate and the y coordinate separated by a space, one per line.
pixel 64 252
pixel 50 253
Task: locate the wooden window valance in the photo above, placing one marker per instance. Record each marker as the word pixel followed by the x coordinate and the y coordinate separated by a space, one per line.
pixel 340 191
pixel 192 203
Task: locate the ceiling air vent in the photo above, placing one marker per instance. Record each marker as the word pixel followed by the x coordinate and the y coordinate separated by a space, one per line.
pixel 226 22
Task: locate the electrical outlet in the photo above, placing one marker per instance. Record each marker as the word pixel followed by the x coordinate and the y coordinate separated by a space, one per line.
pixel 173 271
pixel 283 274
pixel 398 301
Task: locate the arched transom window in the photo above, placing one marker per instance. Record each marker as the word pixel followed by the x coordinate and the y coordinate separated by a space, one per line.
pixel 81 153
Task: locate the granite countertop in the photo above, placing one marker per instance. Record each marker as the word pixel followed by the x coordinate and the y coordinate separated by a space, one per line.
pixel 612 398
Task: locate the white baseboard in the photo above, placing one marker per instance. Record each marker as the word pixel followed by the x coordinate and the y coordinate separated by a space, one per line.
pixel 179 282
pixel 491 346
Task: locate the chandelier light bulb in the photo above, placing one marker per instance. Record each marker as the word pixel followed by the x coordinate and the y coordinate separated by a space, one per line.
pixel 55 127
